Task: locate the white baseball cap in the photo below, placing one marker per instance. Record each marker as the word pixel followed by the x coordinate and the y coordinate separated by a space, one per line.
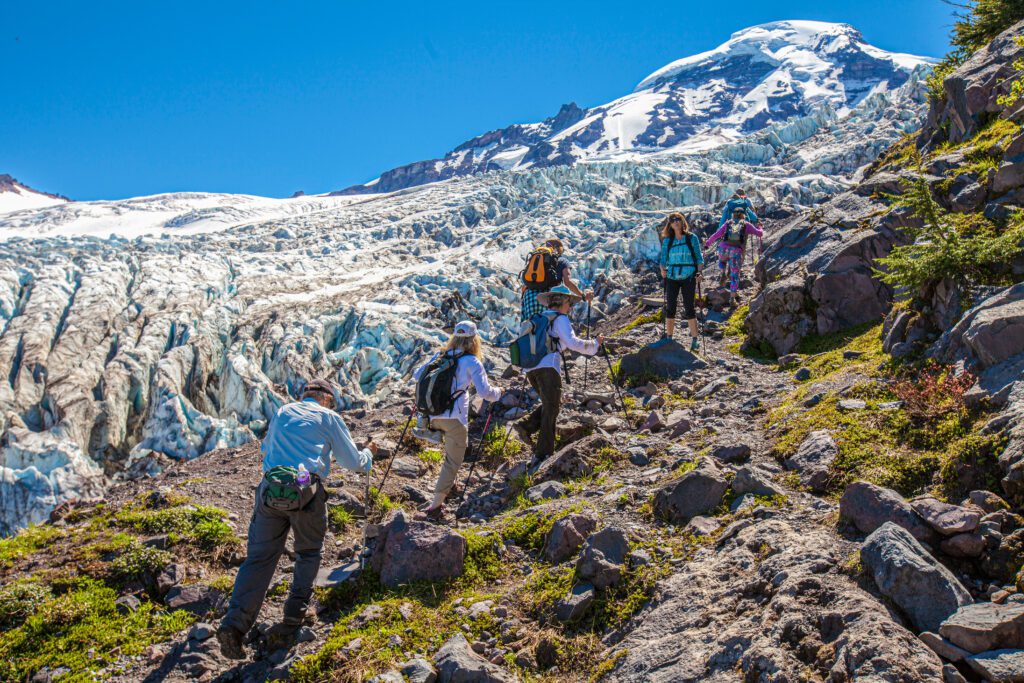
pixel 466 328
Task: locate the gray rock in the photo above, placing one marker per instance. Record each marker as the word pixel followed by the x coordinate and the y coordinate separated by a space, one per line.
pixel 574 606
pixel 414 551
pixel 987 501
pixel 654 422
pixel 923 589
pixel 751 479
pixel 742 503
pixel 418 671
pixel 548 490
pixel 963 545
pixel 694 493
pixel 943 648
pixel 802 375
pixel 852 404
pixel 194 598
pixel 986 626
pixel 945 518
pixel 457 663
pixel 408 467
pixel 713 387
pixel 638 456
pixel 603 557
pixel 387 677
pixel 666 359
pixel 999 666
pixel 813 459
pixel 868 507
pixel 951 675
pixel 126 604
pixel 702 526
pixel 573 461
pixel 739 452
pixel 567 535
pixel 678 423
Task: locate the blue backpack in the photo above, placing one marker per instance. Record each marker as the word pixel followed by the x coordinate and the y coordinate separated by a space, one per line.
pixel 535 340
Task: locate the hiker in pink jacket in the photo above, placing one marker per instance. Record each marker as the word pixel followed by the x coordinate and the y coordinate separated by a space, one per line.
pixel 733 234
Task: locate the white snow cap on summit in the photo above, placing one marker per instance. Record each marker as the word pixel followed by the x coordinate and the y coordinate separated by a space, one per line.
pixel 784 41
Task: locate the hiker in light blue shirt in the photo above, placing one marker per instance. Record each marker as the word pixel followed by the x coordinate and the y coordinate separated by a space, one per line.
pixel 305 433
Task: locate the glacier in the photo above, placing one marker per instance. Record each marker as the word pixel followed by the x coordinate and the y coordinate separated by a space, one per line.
pixel 138 330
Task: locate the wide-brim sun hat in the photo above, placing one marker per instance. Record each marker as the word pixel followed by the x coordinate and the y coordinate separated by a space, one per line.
pixel 544 298
pixel 465 328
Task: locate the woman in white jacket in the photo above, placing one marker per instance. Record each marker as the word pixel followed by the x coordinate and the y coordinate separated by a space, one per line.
pixel 454 424
pixel 546 376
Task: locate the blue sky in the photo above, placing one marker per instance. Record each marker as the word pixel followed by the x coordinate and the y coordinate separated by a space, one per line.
pixel 115 99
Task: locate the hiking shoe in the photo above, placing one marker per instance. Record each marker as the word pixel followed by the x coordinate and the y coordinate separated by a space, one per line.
pixel 428 435
pixel 428 515
pixel 523 435
pixel 694 343
pixel 230 640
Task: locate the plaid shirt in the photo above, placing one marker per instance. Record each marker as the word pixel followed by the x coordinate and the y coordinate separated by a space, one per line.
pixel 531 306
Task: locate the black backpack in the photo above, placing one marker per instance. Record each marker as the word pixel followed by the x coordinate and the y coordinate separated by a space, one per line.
pixel 541 271
pixel 434 394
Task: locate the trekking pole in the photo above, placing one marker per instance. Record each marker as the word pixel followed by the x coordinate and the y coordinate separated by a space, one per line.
pixel 703 322
pixel 366 521
pixel 479 446
pixel 586 360
pixel 398 449
pixel 615 383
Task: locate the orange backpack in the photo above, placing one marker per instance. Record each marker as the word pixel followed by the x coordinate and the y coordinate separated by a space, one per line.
pixel 540 273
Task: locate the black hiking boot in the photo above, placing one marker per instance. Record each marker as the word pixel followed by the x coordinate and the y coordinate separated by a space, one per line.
pixel 230 640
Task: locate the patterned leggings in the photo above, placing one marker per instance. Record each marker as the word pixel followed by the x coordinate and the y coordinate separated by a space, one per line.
pixel 733 260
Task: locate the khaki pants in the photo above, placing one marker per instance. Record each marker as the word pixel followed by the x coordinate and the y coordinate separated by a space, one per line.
pixel 456 440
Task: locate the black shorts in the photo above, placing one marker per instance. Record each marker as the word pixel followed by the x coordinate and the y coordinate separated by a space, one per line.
pixel 672 289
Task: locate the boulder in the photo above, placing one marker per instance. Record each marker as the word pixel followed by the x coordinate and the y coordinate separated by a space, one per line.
pixel 988 334
pixel 739 452
pixel 750 479
pixel 418 671
pixel 666 359
pixel 986 626
pixel 573 461
pixel 574 606
pixel 194 598
pixel 653 422
pixel 567 535
pixel 943 647
pixel 904 571
pixel 457 663
pixel 603 557
pixel 963 545
pixel 946 519
pixel 987 501
pixel 417 551
pixel 999 666
pixel 702 526
pixel 408 467
pixel 1005 560
pixel 813 459
pixel 678 423
pixel 868 507
pixel 548 490
pixel 694 493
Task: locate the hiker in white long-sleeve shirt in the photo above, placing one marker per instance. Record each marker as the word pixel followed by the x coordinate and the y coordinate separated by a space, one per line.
pixel 453 423
pixel 546 376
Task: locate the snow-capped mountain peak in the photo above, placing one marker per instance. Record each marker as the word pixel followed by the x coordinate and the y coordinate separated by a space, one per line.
pixel 15 196
pixel 761 76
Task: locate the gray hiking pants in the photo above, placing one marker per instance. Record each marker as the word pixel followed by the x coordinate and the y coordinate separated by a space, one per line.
pixel 268 531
